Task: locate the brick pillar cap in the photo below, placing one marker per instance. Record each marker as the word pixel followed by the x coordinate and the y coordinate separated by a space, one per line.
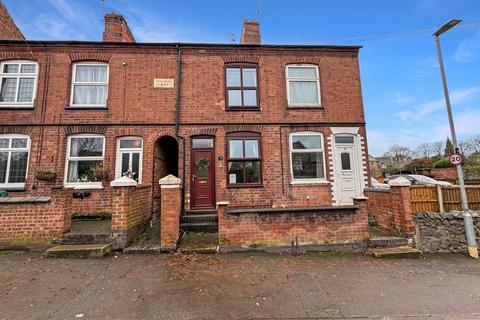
pixel 361 198
pixel 170 180
pixel 123 182
pixel 223 203
pixel 399 182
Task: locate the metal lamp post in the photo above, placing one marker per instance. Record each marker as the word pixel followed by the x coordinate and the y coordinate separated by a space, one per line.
pixel 467 217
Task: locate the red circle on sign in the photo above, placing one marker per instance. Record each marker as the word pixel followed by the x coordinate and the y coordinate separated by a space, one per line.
pixel 455 159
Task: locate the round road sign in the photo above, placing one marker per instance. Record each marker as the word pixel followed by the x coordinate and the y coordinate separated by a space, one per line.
pixel 455 159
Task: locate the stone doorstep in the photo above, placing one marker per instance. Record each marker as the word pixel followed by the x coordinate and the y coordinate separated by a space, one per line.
pixel 397 252
pixel 79 251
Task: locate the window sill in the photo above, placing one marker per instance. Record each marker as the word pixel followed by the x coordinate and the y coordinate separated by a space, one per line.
pixel 14 107
pixel 243 109
pixel 86 108
pixel 309 182
pixel 84 186
pixel 13 188
pixel 302 107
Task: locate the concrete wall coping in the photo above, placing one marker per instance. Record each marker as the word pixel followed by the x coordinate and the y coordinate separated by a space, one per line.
pixel 296 210
pixel 170 181
pixel 123 182
pixel 28 199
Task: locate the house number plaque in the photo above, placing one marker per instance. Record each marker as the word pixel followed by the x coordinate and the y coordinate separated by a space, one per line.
pixel 163 83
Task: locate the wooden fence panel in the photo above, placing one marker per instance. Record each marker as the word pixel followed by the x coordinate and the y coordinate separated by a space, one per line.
pixel 424 198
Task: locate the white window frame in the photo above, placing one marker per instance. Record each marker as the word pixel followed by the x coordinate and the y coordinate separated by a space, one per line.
pixel 292 151
pixel 317 79
pixel 77 83
pixel 18 76
pixel 68 158
pixel 8 185
pixel 118 165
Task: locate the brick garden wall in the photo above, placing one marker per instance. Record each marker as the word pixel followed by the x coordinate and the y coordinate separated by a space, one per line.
pixel 36 221
pixel 250 228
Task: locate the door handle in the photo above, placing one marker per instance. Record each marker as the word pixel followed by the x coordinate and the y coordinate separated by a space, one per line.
pixel 193 177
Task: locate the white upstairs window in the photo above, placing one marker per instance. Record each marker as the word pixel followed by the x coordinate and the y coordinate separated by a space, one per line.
pixel 18 83
pixel 89 84
pixel 303 86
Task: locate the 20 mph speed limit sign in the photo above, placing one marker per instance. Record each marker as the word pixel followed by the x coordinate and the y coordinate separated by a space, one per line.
pixel 455 159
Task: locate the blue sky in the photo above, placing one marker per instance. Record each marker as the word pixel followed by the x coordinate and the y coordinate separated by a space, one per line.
pixel 401 83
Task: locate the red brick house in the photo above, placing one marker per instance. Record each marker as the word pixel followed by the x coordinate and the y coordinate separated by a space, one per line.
pixel 274 129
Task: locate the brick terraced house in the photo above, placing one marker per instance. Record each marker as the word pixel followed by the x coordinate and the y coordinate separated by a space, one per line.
pixel 263 143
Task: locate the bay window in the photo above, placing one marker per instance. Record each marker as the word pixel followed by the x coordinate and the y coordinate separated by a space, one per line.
pixel 18 83
pixel 244 160
pixel 13 160
pixel 89 84
pixel 242 87
pixel 129 158
pixel 303 86
pixel 85 158
pixel 306 157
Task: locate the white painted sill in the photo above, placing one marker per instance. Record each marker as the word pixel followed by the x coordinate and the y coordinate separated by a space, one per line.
pixel 84 186
pixel 309 182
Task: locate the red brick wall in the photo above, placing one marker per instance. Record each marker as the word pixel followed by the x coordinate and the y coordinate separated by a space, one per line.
pixel 444 174
pixel 8 28
pixel 281 228
pixel 36 221
pixel 391 209
pixel 170 205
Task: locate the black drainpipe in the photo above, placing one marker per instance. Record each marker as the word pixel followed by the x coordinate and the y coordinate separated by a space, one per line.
pixel 177 122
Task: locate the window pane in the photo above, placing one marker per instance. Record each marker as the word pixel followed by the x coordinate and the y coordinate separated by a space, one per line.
pixel 10 68
pixel 345 157
pixel 306 142
pixel 86 147
pixel 4 143
pixel 18 167
pixel 250 98
pixel 28 68
pixel 81 171
pixel 235 172
pixel 303 92
pixel 299 72
pixel 90 94
pixel 199 143
pixel 251 149
pixel 234 98
pixel 136 165
pixel 125 162
pixel 307 165
pixel 343 139
pixel 249 77
pixel 25 90
pixel 252 170
pixel 235 149
pixel 3 166
pixel 130 143
pixel 9 87
pixel 19 142
pixel 87 73
pixel 233 77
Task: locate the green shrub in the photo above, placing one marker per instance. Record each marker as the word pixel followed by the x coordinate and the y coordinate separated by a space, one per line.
pixel 442 163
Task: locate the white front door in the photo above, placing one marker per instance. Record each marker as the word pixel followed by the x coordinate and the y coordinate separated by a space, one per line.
pixel 346 173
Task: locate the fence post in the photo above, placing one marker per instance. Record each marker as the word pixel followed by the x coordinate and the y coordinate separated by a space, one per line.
pixel 440 199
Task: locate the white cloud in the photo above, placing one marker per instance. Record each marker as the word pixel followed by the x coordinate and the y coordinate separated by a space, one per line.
pixel 468 50
pixel 426 108
pixel 466 124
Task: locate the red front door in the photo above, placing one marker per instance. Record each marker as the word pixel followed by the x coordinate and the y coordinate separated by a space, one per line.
pixel 203 178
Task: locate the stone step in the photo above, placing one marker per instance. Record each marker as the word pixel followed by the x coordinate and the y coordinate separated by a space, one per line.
pixel 200 218
pixel 199 242
pixel 397 252
pixel 387 242
pixel 203 226
pixel 79 251
pixel 81 238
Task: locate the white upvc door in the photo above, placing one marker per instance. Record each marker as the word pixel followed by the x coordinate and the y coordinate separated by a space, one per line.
pixel 346 173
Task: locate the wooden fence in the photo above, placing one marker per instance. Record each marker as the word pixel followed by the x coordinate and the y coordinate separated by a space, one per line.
pixel 442 198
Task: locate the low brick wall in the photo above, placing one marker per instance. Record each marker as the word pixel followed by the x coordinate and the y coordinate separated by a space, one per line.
pixel 35 218
pixel 131 211
pixel 443 232
pixel 284 227
pixel 391 209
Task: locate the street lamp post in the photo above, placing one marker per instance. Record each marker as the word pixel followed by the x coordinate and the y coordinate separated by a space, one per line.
pixel 467 217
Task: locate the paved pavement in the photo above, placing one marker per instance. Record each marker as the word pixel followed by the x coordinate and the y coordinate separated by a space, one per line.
pixel 238 286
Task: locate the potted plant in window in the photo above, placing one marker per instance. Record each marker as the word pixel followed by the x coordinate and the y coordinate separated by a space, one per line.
pixel 99 173
pixel 202 166
pixel 46 175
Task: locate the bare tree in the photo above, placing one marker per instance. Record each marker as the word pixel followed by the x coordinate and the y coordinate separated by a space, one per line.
pixel 474 144
pixel 438 148
pixel 399 153
pixel 424 150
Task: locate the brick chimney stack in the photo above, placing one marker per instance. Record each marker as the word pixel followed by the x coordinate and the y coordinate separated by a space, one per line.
pixel 8 28
pixel 250 32
pixel 116 29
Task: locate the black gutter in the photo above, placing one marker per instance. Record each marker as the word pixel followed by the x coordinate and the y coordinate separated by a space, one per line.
pixel 326 124
pixel 177 124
